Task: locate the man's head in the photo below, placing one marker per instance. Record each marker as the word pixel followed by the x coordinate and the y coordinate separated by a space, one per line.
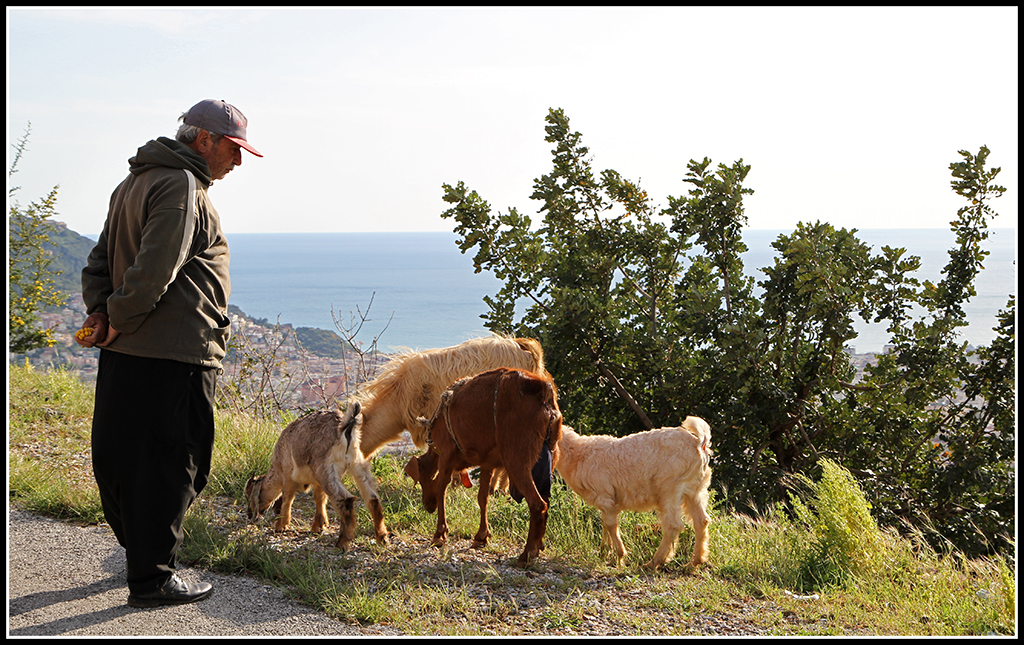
pixel 216 131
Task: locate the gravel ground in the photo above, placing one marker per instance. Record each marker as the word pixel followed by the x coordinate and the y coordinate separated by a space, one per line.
pixel 68 580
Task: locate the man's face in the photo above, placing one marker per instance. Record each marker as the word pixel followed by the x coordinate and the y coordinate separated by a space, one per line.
pixel 221 156
pixel 226 154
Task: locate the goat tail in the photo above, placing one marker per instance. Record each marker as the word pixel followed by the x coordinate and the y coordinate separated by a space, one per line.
pixel 534 348
pixel 701 431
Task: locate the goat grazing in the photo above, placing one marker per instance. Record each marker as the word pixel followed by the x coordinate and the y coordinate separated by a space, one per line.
pixel 410 386
pixel 666 470
pixel 504 419
pixel 313 451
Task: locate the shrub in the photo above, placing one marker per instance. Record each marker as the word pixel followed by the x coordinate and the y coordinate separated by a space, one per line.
pixel 846 541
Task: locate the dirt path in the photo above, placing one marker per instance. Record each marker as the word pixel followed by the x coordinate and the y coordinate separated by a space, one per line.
pixel 68 580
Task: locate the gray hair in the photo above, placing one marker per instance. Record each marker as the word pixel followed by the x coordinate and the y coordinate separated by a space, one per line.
pixel 189 133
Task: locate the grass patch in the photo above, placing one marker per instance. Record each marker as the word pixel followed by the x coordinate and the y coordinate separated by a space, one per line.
pixel 759 565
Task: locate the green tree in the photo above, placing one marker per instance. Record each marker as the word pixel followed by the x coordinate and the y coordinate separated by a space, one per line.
pixel 597 279
pixel 31 281
pixel 945 424
pixel 646 316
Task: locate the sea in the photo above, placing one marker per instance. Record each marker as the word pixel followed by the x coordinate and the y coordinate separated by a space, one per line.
pixel 419 291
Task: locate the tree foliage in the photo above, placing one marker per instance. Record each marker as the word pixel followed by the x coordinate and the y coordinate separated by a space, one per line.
pixel 31 283
pixel 647 316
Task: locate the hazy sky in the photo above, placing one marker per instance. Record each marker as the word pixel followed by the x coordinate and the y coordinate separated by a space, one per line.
pixel 847 115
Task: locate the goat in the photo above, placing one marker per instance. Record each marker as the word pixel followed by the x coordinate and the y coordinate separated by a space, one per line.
pixel 312 452
pixel 410 386
pixel 499 419
pixel 666 470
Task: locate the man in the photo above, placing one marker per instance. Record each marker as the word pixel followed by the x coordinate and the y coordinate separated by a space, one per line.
pixel 156 292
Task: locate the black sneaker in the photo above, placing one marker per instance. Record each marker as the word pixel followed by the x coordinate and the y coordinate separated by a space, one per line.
pixel 173 592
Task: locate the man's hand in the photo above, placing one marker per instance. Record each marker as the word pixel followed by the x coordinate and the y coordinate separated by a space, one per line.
pixel 96 331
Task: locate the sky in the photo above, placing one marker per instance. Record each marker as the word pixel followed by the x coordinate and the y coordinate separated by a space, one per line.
pixel 849 116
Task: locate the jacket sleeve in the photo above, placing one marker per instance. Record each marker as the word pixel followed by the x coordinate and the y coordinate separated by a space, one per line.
pixel 164 248
pixel 96 283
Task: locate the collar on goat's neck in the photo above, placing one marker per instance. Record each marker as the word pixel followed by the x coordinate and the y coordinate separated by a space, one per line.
pixel 448 421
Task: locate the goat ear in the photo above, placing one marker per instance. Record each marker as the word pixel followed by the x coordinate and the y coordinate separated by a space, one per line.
pixel 412 469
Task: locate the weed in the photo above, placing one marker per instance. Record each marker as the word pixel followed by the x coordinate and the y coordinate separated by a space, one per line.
pixel 846 538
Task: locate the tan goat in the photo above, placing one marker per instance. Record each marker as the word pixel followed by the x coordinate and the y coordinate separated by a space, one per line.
pixel 312 452
pixel 665 470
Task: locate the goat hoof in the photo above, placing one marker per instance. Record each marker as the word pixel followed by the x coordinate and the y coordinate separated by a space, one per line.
pixel 692 566
pixel 525 559
pixel 480 539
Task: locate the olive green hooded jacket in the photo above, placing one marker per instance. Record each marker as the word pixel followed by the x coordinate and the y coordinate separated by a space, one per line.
pixel 160 268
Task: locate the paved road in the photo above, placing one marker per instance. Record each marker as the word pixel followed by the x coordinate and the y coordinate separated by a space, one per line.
pixel 67 580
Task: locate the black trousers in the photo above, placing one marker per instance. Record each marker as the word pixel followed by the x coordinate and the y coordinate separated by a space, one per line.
pixel 152 441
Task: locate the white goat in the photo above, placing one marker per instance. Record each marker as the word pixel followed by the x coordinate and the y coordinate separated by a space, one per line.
pixel 313 451
pixel 666 470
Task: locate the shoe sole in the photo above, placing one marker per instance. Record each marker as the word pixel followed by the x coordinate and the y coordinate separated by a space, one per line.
pixel 148 603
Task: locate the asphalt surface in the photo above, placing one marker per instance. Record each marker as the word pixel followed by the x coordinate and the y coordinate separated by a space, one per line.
pixel 68 580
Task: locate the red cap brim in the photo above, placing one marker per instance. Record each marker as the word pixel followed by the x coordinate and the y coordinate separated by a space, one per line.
pixel 245 144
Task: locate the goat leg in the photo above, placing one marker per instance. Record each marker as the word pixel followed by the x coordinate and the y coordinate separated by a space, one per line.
pixel 538 525
pixel 367 485
pixel 696 508
pixel 482 495
pixel 440 482
pixel 320 512
pixel 671 526
pixel 287 497
pixel 441 534
pixel 610 533
pixel 346 509
pixel 343 502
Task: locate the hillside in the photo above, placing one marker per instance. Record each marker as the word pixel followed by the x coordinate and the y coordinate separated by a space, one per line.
pixel 70 251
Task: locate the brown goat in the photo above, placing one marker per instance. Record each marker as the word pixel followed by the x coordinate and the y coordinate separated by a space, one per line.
pixel 312 452
pixel 410 386
pixel 502 419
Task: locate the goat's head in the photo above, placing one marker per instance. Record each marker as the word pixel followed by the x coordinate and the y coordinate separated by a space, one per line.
pixel 423 470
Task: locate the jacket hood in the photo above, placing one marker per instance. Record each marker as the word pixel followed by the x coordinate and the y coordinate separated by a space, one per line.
pixel 168 153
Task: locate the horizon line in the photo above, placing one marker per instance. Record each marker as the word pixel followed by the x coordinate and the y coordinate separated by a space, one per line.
pixel 886 228
pixel 418 232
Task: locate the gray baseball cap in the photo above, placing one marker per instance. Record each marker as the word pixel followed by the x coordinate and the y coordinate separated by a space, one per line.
pixel 221 118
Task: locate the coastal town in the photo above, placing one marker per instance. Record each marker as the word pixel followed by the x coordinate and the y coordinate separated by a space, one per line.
pixel 267 366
